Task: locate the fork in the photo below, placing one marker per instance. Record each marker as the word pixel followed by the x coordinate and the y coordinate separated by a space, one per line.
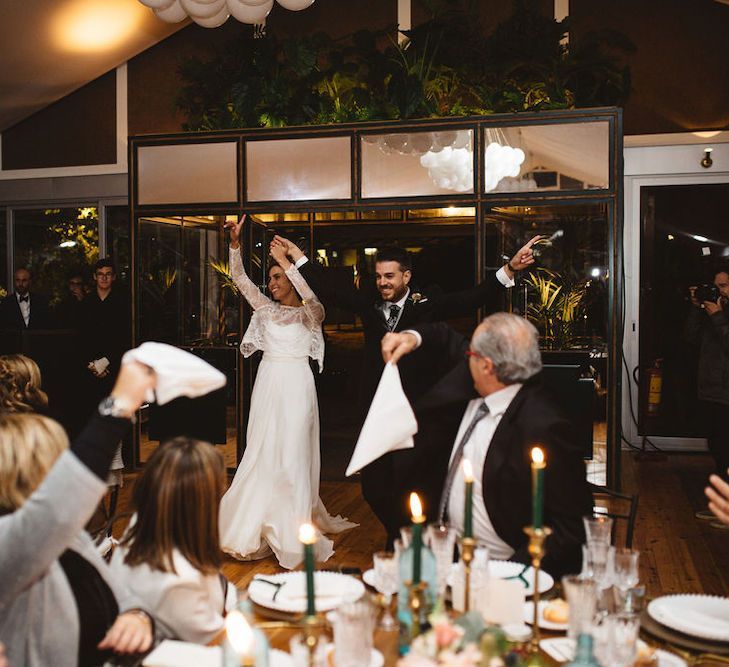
pixel 276 584
pixel 520 576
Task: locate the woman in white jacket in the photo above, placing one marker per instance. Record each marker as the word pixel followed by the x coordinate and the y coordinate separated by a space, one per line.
pixel 170 556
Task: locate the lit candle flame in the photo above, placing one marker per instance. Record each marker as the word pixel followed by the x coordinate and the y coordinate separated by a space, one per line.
pixel 537 455
pixel 239 632
pixel 467 471
pixel 307 533
pixel 416 508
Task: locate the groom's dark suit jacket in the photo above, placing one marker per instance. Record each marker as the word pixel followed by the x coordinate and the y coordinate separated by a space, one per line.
pixel 380 488
pixel 532 418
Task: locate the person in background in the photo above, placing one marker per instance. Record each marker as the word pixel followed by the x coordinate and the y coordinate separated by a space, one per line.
pixel 708 327
pixel 20 385
pixel 170 556
pixel 718 495
pixel 59 604
pixel 69 310
pixel 24 309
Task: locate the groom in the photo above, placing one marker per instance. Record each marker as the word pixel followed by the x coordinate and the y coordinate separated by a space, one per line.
pixel 398 309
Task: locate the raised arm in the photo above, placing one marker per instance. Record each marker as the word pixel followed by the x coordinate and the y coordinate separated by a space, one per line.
pixel 255 298
pixel 312 306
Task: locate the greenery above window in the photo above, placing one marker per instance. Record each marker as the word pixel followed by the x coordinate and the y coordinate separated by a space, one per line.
pixel 447 67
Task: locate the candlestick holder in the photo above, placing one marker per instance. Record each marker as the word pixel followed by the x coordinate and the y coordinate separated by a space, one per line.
pixel 537 537
pixel 468 544
pixel 312 626
pixel 416 602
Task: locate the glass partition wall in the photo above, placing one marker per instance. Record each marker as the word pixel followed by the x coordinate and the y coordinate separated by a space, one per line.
pixel 460 195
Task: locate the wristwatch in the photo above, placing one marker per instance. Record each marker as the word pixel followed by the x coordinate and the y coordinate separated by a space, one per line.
pixel 510 267
pixel 116 407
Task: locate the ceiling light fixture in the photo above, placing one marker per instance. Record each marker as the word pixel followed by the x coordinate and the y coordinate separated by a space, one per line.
pixel 213 13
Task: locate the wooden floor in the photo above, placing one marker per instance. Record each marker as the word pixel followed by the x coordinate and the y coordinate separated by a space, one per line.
pixel 678 552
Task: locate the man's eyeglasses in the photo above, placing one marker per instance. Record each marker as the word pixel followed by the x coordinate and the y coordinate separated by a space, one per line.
pixel 471 353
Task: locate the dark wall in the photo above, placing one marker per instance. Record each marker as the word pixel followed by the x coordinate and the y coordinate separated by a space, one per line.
pixel 79 129
pixel 680 71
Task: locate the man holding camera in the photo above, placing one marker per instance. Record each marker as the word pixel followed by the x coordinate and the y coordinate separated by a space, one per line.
pixel 708 327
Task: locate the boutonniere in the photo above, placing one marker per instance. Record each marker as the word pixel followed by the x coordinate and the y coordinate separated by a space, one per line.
pixel 417 297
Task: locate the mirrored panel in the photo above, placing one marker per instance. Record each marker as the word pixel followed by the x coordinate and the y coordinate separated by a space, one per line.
pixel 187 173
pixel 417 164
pixel 299 169
pixel 538 158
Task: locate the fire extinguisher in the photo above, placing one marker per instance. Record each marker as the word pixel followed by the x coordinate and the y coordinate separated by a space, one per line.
pixel 655 384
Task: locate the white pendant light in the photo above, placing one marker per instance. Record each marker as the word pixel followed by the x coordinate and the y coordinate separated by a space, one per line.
pixel 157 4
pixel 296 5
pixel 212 13
pixel 216 20
pixel 248 14
pixel 203 10
pixel 172 14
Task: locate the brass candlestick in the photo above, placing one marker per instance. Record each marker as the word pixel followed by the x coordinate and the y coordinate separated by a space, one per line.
pixel 416 602
pixel 468 544
pixel 537 536
pixel 311 636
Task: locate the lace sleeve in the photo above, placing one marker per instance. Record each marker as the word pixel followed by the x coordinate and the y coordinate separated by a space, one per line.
pixel 245 285
pixel 312 306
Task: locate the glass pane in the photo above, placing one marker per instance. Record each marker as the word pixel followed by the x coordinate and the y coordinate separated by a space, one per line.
pixel 4 288
pixel 118 243
pixel 52 243
pixel 536 158
pixel 565 295
pixel 299 169
pixel 417 164
pixel 188 173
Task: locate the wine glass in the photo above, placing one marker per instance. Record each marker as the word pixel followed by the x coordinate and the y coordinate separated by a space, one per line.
pixel 626 575
pixel 387 580
pixel 441 539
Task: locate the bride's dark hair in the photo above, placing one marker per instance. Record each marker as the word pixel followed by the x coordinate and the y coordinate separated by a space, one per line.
pixel 272 264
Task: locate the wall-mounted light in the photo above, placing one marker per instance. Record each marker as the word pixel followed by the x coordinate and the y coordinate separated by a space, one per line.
pixel 706 162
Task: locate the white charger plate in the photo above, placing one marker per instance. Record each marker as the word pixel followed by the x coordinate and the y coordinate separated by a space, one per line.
pixel 332 589
pixel 543 622
pixel 704 616
pixel 504 569
pixel 562 649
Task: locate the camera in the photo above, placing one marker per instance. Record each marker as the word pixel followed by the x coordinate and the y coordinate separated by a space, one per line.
pixel 707 293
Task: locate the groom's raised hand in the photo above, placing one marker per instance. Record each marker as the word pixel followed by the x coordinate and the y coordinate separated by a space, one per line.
pixel 396 345
pixel 292 250
pixel 524 257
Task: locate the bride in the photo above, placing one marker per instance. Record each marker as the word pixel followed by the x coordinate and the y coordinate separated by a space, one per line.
pixel 276 486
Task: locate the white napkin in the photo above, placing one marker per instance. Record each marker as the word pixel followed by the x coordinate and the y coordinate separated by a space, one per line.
pixel 179 373
pixel 390 423
pixel 172 653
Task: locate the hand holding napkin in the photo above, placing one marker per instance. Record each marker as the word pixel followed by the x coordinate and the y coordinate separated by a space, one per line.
pixel 390 423
pixel 179 373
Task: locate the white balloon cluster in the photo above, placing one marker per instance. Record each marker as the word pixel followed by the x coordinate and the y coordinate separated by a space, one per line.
pixel 501 162
pixel 213 13
pixel 450 168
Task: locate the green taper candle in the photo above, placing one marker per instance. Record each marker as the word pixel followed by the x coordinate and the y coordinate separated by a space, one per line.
pixel 307 536
pixel 416 509
pixel 538 467
pixel 468 510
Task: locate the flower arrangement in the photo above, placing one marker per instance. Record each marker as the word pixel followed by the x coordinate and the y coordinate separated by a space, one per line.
pixel 463 642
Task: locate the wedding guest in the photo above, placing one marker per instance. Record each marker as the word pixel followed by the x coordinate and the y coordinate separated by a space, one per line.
pixel 718 495
pixel 59 604
pixel 20 385
pixel 170 556
pixel 394 307
pixel 24 309
pixel 69 311
pixel 491 408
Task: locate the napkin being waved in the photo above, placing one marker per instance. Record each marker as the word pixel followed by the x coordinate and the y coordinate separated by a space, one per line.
pixel 179 373
pixel 390 423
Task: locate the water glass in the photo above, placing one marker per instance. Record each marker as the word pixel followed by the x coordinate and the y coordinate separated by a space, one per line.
pixel 581 597
pixel 631 601
pixel 353 624
pixel 626 569
pixel 480 575
pixel 623 632
pixel 387 580
pixel 441 539
pixel 598 529
pixel 406 536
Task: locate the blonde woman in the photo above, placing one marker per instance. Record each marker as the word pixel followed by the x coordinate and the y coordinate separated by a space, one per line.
pixel 59 604
pixel 20 385
pixel 170 556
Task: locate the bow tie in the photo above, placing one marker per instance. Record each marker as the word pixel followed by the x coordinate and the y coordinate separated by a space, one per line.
pixel 24 298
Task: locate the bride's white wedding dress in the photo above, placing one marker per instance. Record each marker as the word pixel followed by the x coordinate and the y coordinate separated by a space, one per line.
pixel 276 486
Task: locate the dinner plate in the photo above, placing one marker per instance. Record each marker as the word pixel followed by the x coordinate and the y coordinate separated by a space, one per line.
pixel 506 569
pixel 331 588
pixel 543 622
pixel 376 658
pixel 562 649
pixel 368 576
pixel 704 616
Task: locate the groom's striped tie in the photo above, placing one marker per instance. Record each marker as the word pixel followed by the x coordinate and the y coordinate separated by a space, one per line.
pixel 482 411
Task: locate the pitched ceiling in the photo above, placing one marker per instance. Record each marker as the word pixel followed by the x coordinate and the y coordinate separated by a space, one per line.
pixel 49 48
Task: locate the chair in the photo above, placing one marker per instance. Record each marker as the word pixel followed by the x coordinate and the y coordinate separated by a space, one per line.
pixel 612 497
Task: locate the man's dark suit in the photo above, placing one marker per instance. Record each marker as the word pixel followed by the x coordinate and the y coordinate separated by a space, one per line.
pixel 380 487
pixel 532 418
pixel 12 318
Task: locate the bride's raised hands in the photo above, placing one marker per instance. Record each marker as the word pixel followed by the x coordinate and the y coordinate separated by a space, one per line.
pixel 234 228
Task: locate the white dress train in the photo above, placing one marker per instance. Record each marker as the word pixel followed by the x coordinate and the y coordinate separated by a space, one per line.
pixel 276 486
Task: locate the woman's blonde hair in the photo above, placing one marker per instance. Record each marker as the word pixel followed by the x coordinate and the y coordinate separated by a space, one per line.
pixel 29 446
pixel 20 385
pixel 176 500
